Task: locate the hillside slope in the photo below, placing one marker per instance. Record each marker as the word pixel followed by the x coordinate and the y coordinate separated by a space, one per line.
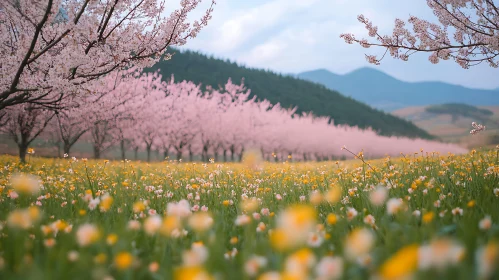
pixel 288 91
pixel 382 91
pixel 453 127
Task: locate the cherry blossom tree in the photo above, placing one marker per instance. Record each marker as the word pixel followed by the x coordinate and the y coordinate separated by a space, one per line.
pixel 149 113
pixel 114 102
pixel 467 31
pixel 25 123
pixel 141 109
pixel 70 124
pixel 51 49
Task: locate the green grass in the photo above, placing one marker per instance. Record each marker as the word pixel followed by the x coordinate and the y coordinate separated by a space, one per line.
pixel 465 182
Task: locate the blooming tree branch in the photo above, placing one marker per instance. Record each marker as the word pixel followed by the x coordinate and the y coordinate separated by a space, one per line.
pixel 51 49
pixel 467 31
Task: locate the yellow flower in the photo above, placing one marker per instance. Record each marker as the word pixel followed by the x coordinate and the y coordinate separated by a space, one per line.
pixel 428 217
pixel 111 239
pixel 471 203
pixel 139 206
pixel 300 262
pixel 25 183
pixel 169 224
pixel 82 212
pixel 200 221
pixel 23 218
pixel 233 240
pixel 248 205
pixel 191 272
pixel 123 260
pixel 34 213
pixel 226 203
pixel 334 194
pixel 331 219
pixel 401 264
pixel 279 239
pixel 105 203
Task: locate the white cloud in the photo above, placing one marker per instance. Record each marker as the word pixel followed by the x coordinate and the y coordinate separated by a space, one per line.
pixel 298 35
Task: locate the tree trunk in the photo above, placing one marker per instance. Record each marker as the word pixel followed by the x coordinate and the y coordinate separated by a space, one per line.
pixel 191 156
pixel 179 155
pixel 23 149
pixel 241 154
pixel 96 152
pixel 232 153
pixel 122 147
pixel 165 154
pixel 215 155
pixel 225 155
pixel 204 154
pixel 66 147
pixel 148 150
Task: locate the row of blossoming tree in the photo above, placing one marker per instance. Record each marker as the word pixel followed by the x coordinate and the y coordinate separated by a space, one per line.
pixel 137 111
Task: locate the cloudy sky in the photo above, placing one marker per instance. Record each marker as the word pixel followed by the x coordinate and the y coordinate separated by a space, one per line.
pixel 291 36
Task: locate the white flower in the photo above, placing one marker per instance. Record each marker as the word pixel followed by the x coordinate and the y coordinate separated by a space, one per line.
pixel 180 209
pixel 370 220
pixel 378 196
pixel 73 256
pixel 330 268
pixel 416 213
pixel 152 224
pixel 314 240
pixel 394 205
pixel 440 254
pixel 254 264
pixel 93 203
pixel 265 211
pixel 358 243
pixel 133 225
pixel 196 256
pixel 485 223
pixel 242 220
pixel 457 211
pixel 351 213
pixel 87 234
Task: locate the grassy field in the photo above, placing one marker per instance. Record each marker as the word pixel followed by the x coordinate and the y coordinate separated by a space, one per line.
pixel 422 215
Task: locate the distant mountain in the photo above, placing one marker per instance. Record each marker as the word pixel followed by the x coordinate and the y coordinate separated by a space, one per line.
pixel 384 92
pixel 286 90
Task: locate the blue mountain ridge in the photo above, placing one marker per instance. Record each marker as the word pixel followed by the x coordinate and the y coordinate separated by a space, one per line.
pixel 385 92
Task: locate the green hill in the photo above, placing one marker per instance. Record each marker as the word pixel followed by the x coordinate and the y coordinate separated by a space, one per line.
pixel 460 110
pixel 288 91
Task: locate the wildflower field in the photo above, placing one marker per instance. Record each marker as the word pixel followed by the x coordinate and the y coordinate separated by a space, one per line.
pixel 422 215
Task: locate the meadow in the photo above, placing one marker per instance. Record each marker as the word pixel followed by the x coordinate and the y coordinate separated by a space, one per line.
pixel 423 215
